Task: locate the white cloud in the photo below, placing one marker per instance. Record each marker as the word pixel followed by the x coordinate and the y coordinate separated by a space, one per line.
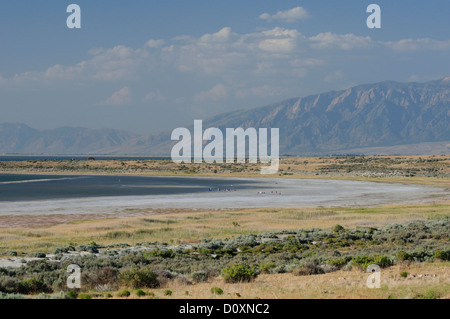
pixel 120 97
pixel 221 36
pixel 291 15
pixel 273 58
pixel 277 45
pixel 347 41
pixel 114 64
pixel 153 96
pixel 418 44
pixel 155 43
pixel 218 92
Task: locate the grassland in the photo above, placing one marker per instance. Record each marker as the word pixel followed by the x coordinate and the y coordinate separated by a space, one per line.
pixel 178 247
pixel 179 226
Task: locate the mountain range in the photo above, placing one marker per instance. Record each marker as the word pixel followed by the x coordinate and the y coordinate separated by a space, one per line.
pixel 381 118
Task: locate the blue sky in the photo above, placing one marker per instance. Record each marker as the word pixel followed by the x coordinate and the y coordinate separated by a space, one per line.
pixel 146 66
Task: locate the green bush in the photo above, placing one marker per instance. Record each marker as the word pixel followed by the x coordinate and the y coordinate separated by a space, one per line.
pixel 382 261
pixel 72 294
pixel 140 293
pixel 216 291
pixel 365 261
pixel 139 278
pixel 308 270
pixel 84 296
pixel 403 256
pixel 238 273
pixel 162 253
pixel 8 285
pixel 168 293
pixel 404 274
pixel 104 276
pixel 124 294
pixel 33 286
pixel 199 276
pixel 429 294
pixel 443 255
pixel 4 296
pixel 337 228
pixel 338 262
pixel 37 255
pixel 266 268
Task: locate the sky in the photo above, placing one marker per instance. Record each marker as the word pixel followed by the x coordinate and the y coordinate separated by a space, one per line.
pixel 147 66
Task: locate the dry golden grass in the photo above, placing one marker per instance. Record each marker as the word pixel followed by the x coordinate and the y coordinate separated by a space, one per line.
pixel 336 285
pixel 179 226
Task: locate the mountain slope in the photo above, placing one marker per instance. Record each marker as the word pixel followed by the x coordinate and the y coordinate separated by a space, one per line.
pixel 21 139
pixel 372 115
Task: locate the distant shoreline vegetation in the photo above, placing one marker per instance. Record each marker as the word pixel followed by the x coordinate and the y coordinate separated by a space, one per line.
pixel 20 157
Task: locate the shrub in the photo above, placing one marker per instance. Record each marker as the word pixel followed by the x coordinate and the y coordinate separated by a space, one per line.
pixel 162 253
pixel 168 293
pixel 338 262
pixel 266 268
pixel 337 228
pixel 308 270
pixel 72 294
pixel 443 255
pixel 365 261
pixel 124 294
pixel 216 291
pixel 33 286
pixel 199 276
pixel 404 274
pixel 12 296
pixel 139 278
pixel 382 261
pixel 403 256
pixel 9 284
pixel 37 255
pixel 140 293
pixel 100 277
pixel 238 273
pixel 430 294
pixel 84 296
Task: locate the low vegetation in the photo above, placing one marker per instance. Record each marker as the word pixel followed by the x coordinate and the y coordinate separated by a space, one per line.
pixel 241 259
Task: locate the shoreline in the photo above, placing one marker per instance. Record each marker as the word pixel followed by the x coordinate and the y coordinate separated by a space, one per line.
pixel 442 182
pixel 260 193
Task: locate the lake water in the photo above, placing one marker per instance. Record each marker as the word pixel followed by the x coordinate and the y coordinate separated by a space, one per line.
pixel 89 194
pixel 18 187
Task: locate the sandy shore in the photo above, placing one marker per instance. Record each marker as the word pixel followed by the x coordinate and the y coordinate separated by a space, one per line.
pixel 270 192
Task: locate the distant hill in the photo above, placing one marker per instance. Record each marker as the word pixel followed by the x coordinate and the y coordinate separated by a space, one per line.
pixel 21 139
pixel 381 118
